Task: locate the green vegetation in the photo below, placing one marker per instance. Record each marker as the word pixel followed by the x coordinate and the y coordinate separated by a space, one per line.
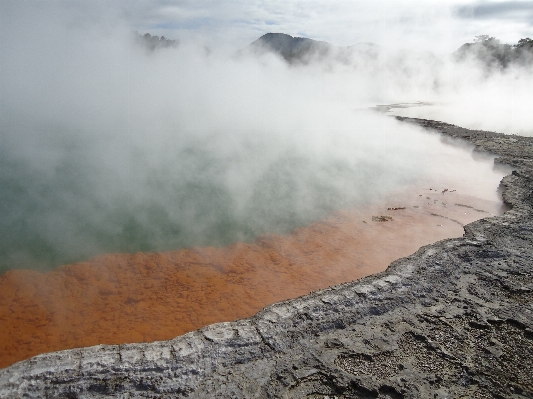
pixel 494 54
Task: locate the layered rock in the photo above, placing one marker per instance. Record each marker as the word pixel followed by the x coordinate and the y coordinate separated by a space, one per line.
pixel 453 320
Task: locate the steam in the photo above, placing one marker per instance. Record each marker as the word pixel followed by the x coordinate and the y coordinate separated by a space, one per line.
pixel 472 92
pixel 107 147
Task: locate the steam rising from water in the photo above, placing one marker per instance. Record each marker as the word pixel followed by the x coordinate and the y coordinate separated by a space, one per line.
pixel 106 147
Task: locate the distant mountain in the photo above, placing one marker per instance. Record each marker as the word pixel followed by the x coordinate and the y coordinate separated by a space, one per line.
pixel 302 50
pixel 292 49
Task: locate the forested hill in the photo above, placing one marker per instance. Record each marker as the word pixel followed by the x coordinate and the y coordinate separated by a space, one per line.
pixel 300 50
pixel 153 42
pixel 292 49
pixel 491 52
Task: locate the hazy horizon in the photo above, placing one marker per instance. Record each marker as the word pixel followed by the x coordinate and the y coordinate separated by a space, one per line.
pixel 440 26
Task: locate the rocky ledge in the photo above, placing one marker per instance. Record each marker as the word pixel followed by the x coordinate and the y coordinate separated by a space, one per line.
pixel 453 320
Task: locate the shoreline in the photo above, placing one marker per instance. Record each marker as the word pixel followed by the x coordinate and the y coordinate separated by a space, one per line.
pixel 453 319
pixel 118 298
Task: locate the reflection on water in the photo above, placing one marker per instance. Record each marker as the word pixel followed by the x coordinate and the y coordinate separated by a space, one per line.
pixel 121 298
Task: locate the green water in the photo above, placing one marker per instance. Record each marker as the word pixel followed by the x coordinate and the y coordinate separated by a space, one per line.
pixel 71 205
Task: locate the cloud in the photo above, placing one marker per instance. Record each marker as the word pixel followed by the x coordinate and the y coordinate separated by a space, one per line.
pixel 521 11
pixel 232 24
pixel 407 23
pixel 508 21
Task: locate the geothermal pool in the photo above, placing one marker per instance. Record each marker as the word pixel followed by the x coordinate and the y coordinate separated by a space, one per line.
pixel 142 297
pixel 144 195
pixel 122 239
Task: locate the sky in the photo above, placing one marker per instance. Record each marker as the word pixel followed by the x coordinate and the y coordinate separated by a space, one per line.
pixel 439 25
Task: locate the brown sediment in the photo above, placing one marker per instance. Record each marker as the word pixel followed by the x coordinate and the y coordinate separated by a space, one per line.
pixel 121 298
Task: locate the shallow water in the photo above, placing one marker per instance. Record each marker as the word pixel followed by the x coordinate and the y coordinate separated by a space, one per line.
pixel 120 298
pixel 231 227
pixel 72 199
pixel 70 207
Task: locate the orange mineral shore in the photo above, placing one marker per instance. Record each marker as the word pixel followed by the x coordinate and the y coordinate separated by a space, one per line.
pixel 123 298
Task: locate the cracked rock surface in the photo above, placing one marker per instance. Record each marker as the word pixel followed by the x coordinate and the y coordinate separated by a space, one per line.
pixel 453 320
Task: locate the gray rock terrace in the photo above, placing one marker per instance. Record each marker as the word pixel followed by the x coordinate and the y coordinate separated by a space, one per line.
pixel 453 320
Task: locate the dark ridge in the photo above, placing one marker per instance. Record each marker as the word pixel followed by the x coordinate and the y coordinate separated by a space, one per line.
pixel 488 51
pixel 301 50
pixel 292 49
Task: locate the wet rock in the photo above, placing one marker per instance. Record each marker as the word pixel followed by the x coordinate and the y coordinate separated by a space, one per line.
pixel 455 319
